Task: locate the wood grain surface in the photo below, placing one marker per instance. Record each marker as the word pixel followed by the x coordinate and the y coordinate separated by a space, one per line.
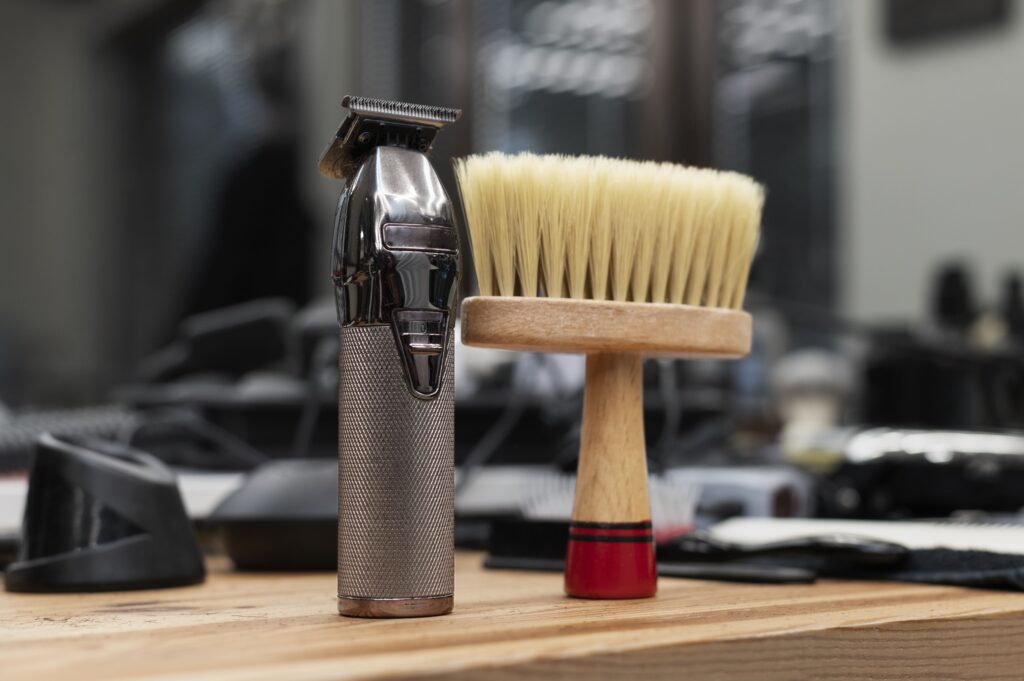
pixel 611 482
pixel 585 326
pixel 514 625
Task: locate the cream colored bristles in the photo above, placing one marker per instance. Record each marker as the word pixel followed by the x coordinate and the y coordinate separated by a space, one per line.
pixel 623 189
pixel 592 227
pixel 705 213
pixel 685 188
pixel 525 216
pixel 665 239
pixel 648 220
pixel 503 234
pixel 578 208
pixel 478 213
pixel 750 228
pixel 554 190
pixel 601 230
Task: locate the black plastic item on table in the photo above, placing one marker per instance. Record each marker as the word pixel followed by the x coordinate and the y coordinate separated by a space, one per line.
pixel 525 544
pixel 827 549
pixel 283 517
pixel 540 545
pixel 979 569
pixel 102 517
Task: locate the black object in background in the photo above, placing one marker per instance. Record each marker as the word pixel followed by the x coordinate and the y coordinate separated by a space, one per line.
pixel 231 341
pixel 932 383
pixel 20 431
pixel 8 550
pixel 915 20
pixel 887 473
pixel 102 517
pixel 262 235
pixel 940 379
pixel 953 304
pixel 1012 307
pixel 283 517
pixel 251 381
pixel 916 488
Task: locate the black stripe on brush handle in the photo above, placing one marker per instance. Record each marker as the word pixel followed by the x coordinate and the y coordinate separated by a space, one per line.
pixel 621 533
pixel 647 539
pixel 584 524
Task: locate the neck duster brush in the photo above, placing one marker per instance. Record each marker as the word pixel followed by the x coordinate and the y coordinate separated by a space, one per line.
pixel 615 259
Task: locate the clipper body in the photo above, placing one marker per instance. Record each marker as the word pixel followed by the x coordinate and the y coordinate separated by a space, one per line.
pixel 396 271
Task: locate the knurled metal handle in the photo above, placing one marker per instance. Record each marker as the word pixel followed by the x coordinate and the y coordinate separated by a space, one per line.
pixel 396 474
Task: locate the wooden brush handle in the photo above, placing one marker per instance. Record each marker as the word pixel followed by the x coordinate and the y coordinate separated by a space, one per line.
pixel 611 549
pixel 611 553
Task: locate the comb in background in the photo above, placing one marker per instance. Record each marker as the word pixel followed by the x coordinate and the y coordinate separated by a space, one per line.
pixel 615 259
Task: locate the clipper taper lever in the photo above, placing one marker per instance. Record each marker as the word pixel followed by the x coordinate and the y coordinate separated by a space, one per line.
pixel 396 270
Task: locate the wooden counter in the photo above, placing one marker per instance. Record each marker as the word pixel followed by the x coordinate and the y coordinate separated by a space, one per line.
pixel 511 625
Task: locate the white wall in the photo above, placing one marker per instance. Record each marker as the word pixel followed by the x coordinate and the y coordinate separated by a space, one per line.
pixel 931 161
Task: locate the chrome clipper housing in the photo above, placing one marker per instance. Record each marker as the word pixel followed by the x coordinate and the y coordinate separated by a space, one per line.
pixel 395 267
pixel 396 246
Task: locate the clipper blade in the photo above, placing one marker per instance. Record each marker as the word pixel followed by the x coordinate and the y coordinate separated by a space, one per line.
pixel 375 122
pixel 401 111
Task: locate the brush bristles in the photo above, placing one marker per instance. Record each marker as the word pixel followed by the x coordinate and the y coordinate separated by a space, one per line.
pixel 609 229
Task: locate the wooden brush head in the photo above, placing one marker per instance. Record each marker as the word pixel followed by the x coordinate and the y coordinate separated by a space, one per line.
pixel 604 326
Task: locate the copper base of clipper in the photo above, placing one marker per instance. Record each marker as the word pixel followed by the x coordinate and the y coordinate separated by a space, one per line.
pixel 395 607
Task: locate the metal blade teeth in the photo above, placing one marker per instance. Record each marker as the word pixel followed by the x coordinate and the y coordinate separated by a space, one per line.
pixel 387 107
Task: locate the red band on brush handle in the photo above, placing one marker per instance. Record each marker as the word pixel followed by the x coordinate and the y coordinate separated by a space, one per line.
pixel 611 560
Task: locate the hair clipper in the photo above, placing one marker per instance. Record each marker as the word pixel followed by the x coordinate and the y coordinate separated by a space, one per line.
pixel 396 271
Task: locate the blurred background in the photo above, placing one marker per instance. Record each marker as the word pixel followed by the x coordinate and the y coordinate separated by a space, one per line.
pixel 165 234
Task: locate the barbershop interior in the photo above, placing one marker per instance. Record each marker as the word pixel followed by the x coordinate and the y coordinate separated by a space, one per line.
pixel 504 339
